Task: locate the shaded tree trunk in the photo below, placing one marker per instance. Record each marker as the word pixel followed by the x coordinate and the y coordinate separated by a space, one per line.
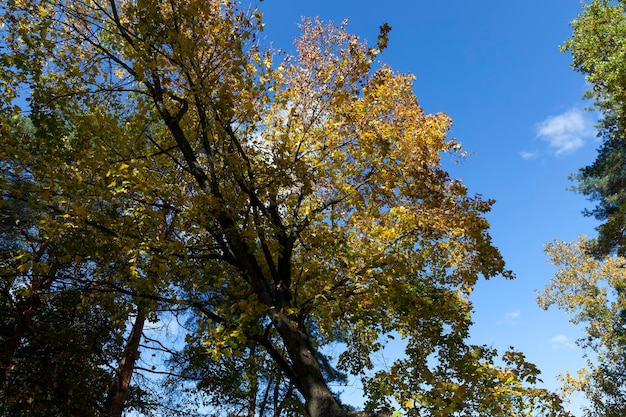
pixel 319 400
pixel 254 387
pixel 118 391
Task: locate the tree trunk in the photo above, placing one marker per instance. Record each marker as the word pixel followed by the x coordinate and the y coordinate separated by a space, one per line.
pixel 118 391
pixel 254 386
pixel 319 400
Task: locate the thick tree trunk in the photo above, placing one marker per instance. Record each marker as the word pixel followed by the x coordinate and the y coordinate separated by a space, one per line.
pixel 319 400
pixel 118 391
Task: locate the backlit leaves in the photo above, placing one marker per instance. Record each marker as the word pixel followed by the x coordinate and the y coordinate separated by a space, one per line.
pixel 591 290
pixel 285 202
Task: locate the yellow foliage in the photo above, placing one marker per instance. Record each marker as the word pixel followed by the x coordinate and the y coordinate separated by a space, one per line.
pixel 591 290
pixel 293 201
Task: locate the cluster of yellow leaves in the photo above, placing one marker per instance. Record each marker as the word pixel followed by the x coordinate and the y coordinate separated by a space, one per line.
pixel 592 291
pixel 589 289
pixel 305 192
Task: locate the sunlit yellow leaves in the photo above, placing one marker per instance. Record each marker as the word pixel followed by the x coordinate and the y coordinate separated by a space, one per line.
pixel 281 196
pixel 582 284
pixel 592 291
pixel 408 404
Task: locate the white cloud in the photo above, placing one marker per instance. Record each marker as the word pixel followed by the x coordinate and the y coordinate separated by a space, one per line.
pixel 528 155
pixel 567 131
pixel 510 318
pixel 561 341
pixel 513 315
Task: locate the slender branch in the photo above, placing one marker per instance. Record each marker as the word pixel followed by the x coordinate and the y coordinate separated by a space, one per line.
pixel 123 31
pixel 155 372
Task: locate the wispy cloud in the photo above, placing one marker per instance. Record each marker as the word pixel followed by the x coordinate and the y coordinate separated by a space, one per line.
pixel 567 131
pixel 513 315
pixel 528 155
pixel 561 341
pixel 510 318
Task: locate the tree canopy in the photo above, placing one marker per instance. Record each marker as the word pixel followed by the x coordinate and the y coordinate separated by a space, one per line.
pixel 597 46
pixel 284 203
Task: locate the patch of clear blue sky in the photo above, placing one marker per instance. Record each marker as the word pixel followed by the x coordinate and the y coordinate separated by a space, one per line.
pixel 495 67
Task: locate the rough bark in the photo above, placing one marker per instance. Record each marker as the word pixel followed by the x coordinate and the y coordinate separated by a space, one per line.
pixel 319 400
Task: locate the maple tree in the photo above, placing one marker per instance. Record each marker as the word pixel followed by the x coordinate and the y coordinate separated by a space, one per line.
pixel 289 202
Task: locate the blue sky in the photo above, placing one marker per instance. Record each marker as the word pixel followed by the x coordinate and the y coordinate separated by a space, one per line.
pixel 495 67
